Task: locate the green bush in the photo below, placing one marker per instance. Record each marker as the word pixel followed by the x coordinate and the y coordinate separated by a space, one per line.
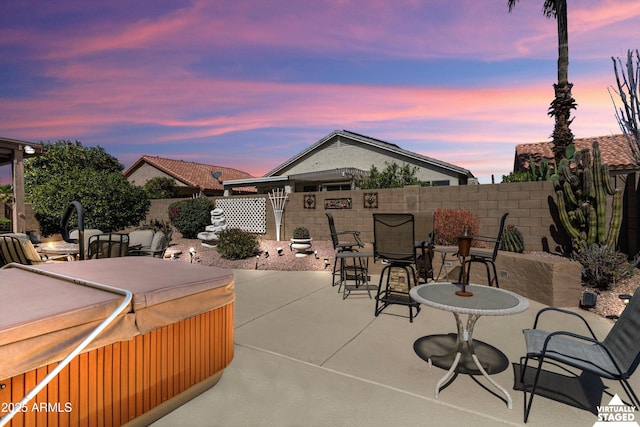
pixel 191 216
pixel 602 266
pixel 301 233
pixel 69 172
pixel 161 188
pixel 234 243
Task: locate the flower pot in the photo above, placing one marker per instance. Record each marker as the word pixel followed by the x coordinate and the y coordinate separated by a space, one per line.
pixel 301 246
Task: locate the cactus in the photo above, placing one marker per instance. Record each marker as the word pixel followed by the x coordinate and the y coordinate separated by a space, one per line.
pixel 512 240
pixel 581 196
pixel 547 171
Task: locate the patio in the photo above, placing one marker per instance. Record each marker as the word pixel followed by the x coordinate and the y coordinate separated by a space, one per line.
pixel 305 356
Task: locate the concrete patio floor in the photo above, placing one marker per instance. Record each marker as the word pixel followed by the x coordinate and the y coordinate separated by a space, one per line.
pixel 306 357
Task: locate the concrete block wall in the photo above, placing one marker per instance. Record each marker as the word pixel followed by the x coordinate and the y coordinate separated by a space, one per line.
pixel 526 202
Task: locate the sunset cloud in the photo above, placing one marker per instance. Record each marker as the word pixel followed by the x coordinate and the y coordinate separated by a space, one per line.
pixel 248 85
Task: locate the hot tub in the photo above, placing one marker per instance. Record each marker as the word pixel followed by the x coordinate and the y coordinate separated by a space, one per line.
pixel 171 342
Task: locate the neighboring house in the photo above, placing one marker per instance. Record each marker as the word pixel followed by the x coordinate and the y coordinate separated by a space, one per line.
pixel 191 178
pixel 614 151
pixel 340 158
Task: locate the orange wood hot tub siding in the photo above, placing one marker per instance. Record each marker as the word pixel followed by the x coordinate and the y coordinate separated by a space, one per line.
pixel 112 385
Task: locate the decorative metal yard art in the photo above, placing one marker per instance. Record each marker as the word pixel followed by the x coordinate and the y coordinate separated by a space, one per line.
pixel 278 199
pixel 464 247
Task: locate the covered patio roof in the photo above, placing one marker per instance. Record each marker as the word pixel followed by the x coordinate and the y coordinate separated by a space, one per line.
pixel 13 152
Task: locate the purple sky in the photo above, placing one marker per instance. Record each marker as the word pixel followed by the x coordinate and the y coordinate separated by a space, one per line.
pixel 250 83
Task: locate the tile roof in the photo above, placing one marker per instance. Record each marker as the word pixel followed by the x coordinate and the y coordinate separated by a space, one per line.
pixel 614 150
pixel 192 174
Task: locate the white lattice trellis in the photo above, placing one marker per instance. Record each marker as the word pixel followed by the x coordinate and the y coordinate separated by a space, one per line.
pixel 246 214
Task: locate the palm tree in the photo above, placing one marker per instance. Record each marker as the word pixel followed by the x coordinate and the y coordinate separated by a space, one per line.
pixel 563 102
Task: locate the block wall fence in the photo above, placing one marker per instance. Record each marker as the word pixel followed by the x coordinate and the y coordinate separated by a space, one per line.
pixel 527 203
pixel 531 207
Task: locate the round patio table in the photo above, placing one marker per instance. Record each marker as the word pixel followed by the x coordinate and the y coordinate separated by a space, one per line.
pixel 59 247
pixel 486 301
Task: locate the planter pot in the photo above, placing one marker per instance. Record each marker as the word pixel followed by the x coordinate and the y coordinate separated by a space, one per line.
pixel 301 246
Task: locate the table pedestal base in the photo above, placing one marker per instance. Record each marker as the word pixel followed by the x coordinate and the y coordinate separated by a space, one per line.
pixel 464 349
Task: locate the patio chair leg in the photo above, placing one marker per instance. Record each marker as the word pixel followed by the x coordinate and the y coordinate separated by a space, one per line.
pixel 527 407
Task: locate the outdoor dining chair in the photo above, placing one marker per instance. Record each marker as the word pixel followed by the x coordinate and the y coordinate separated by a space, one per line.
pixel 108 245
pixel 343 241
pixel 487 256
pixel 395 246
pixel 614 358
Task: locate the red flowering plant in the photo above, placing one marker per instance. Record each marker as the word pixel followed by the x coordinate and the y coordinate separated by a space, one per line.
pixel 448 224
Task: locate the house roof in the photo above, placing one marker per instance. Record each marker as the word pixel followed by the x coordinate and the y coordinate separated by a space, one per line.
pixel 382 145
pixel 8 146
pixel 197 175
pixel 614 151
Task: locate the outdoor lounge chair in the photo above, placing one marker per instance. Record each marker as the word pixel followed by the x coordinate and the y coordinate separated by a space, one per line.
pixel 394 245
pixel 487 256
pixel 107 245
pixel 614 358
pixel 147 242
pixel 22 251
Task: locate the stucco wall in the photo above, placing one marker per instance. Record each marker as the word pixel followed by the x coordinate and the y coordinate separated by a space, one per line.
pixel 146 172
pixel 340 153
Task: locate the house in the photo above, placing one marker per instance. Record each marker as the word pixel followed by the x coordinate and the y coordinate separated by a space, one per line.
pixel 614 151
pixel 191 178
pixel 336 161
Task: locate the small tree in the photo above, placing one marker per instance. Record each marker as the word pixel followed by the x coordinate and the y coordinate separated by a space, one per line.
pixel 69 172
pixel 161 188
pixel 191 216
pixel 393 176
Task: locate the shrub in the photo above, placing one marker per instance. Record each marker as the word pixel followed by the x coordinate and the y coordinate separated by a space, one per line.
pixel 234 243
pixel 161 188
pixel 191 216
pixel 301 233
pixel 448 224
pixel 603 266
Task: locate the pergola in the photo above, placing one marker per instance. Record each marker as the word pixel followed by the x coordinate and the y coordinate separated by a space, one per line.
pixel 13 152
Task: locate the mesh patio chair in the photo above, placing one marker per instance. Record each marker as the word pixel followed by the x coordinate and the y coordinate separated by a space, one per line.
pixel 107 245
pixel 395 246
pixel 487 256
pixel 614 358
pixel 344 241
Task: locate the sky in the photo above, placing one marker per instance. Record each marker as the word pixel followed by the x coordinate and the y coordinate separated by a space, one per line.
pixel 248 84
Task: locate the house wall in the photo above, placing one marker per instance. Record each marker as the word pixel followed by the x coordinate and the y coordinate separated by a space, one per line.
pixel 342 153
pixel 146 172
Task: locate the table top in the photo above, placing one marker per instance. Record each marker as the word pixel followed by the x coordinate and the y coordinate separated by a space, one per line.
pixel 446 249
pixel 58 247
pixel 486 301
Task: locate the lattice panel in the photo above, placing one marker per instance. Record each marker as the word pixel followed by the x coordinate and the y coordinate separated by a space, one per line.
pixel 246 214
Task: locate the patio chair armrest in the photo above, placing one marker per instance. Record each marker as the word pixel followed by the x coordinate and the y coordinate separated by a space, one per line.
pixel 56 257
pixel 563 311
pixel 355 234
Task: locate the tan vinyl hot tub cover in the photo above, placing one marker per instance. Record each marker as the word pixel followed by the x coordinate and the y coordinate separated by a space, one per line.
pixel 43 318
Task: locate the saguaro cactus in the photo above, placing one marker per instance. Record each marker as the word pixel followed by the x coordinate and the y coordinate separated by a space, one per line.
pixel 581 195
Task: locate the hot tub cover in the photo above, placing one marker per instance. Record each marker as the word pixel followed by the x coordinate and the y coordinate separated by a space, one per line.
pixel 43 318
